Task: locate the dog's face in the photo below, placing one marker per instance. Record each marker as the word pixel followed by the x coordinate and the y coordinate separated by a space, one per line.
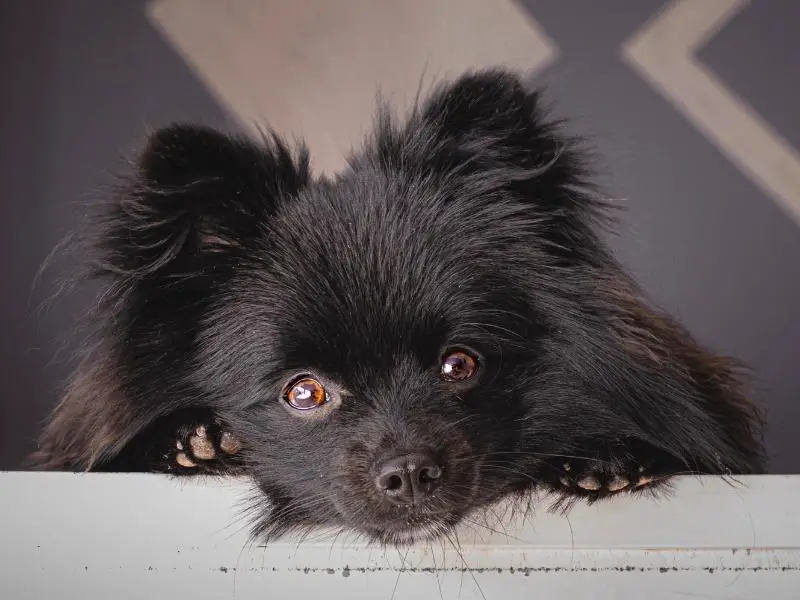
pixel 377 355
pixel 437 328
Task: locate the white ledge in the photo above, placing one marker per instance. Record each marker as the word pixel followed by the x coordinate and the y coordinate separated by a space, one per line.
pixel 135 536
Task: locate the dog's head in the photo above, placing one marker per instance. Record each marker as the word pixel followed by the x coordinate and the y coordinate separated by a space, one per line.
pixel 411 340
pixel 378 342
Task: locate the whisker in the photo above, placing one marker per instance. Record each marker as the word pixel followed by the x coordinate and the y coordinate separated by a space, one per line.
pixel 457 548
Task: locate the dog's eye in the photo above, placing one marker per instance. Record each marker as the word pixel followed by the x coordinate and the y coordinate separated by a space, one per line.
pixel 459 366
pixel 305 394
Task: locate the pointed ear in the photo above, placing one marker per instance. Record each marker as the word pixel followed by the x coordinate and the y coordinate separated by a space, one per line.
pixel 485 136
pixel 482 121
pixel 195 192
pixel 492 114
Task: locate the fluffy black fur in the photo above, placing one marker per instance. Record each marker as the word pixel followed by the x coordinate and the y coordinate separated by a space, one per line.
pixel 228 270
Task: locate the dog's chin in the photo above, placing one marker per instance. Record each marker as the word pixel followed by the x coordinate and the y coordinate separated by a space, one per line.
pixel 408 532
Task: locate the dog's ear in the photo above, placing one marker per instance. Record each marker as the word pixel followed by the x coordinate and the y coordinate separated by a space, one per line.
pixel 161 248
pixel 195 192
pixel 486 135
pixel 490 120
pixel 487 124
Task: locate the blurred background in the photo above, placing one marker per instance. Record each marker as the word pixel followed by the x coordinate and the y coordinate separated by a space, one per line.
pixel 691 104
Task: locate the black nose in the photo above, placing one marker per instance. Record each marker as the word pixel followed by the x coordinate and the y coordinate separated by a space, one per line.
pixel 409 479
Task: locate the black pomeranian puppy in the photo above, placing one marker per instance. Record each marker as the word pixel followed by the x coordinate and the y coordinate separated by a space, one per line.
pixel 436 329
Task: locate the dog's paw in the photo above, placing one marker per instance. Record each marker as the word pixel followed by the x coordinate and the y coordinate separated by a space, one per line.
pixel 599 479
pixel 623 466
pixel 204 448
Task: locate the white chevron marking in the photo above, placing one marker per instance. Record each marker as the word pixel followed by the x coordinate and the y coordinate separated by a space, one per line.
pixel 663 52
pixel 312 68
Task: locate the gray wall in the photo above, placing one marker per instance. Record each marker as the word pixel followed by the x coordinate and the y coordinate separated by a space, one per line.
pixel 82 78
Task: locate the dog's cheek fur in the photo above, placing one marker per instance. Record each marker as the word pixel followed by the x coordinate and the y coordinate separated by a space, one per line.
pixel 163 247
pixel 618 372
pixel 684 399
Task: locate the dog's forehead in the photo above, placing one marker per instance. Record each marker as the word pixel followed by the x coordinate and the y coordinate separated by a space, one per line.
pixel 368 262
pixel 375 238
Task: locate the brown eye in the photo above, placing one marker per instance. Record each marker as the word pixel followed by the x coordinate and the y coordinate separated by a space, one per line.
pixel 305 394
pixel 459 366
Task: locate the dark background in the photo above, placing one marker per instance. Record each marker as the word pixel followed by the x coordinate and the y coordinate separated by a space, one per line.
pixel 82 79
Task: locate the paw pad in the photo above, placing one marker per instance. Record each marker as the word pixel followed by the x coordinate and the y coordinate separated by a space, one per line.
pixel 202 447
pixel 599 479
pixel 185 461
pixel 203 444
pixel 617 483
pixel 229 444
pixel 590 483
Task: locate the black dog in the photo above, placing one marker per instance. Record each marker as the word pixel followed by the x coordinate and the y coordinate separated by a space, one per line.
pixel 438 328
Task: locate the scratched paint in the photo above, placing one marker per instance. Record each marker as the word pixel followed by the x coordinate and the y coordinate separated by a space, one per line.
pixel 133 536
pixel 347 571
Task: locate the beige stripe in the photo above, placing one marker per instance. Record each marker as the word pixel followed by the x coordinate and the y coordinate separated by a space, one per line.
pixel 312 68
pixel 663 53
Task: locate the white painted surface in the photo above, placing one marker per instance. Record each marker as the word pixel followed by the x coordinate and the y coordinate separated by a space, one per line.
pixel 147 536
